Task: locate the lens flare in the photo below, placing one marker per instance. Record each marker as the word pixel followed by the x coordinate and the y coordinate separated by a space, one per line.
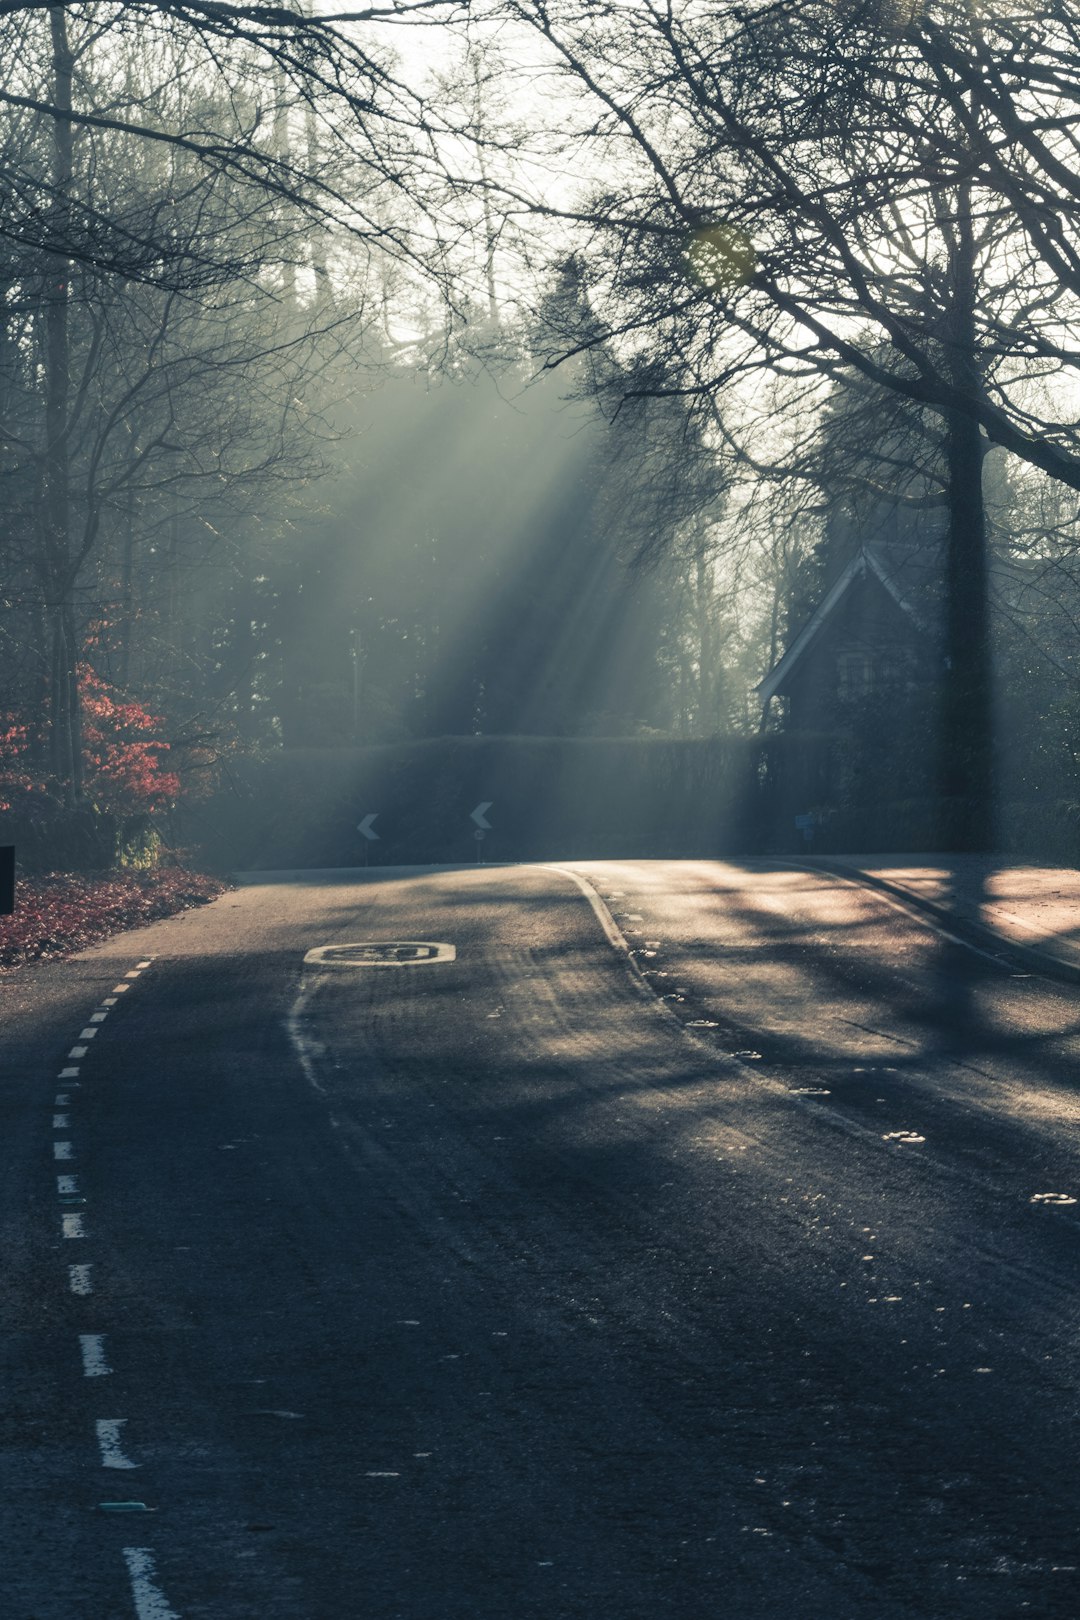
pixel 721 256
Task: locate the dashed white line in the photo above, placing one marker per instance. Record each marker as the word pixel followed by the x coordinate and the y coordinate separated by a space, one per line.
pixel 94 1360
pixel 145 964
pixel 108 1434
pixel 150 1600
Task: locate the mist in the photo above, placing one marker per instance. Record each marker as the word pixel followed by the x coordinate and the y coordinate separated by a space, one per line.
pixel 402 409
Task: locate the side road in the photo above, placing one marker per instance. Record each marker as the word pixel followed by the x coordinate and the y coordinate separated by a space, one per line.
pixel 1030 912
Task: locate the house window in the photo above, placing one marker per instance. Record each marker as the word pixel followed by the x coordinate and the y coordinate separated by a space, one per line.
pixel 856 672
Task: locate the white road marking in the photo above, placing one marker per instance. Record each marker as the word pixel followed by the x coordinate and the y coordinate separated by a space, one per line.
pixel 98 1017
pixel 67 1184
pixel 79 1280
pixel 67 1074
pixel 381 954
pixel 134 974
pixel 118 989
pixel 150 1601
pixel 618 939
pixel 61 1099
pixel 108 1001
pixel 77 1052
pixel 915 913
pixel 108 1434
pixel 72 1226
pixel 307 1049
pixel 61 1122
pixel 94 1361
pixel 88 1033
pixel 62 1150
pixel 145 964
pixel 603 916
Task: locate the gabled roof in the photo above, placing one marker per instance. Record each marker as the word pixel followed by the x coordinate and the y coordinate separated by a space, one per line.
pixel 864 564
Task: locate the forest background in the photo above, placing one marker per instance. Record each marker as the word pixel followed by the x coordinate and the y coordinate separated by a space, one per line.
pixel 434 405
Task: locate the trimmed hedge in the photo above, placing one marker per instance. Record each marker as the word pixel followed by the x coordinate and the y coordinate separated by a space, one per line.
pixel 551 797
pixel 1031 829
pixel 562 798
pixel 62 913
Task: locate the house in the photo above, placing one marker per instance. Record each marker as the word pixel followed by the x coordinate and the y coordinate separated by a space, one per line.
pixel 858 684
pixel 872 635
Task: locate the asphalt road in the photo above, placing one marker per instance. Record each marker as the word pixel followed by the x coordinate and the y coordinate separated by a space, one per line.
pixel 733 1279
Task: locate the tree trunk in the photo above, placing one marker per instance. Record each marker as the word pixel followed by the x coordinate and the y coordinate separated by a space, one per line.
pixel 65 748
pixel 967 722
pixel 244 651
pixel 127 597
pixel 706 638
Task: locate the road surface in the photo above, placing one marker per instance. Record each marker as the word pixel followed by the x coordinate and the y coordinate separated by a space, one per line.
pixel 734 1277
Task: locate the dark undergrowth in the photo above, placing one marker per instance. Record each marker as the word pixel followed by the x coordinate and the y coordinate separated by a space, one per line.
pixel 61 913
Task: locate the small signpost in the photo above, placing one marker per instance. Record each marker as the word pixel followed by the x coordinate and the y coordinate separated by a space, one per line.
pixel 483 825
pixel 366 829
pixel 7 879
pixel 806 825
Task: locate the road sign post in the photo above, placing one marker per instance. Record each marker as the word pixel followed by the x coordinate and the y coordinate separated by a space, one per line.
pixel 366 829
pixel 483 826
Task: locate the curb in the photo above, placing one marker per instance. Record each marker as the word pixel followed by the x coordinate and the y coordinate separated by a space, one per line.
pixel 965 928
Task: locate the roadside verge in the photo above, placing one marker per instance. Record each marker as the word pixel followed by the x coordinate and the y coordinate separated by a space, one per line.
pixel 1029 915
pixel 61 913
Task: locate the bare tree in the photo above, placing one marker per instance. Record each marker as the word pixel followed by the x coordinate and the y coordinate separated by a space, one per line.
pixel 830 191
pixel 124 392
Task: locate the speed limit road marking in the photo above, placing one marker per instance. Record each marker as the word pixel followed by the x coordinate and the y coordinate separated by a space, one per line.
pixel 380 953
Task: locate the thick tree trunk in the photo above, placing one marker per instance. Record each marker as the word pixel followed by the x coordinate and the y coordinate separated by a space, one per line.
pixel 967 723
pixel 966 771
